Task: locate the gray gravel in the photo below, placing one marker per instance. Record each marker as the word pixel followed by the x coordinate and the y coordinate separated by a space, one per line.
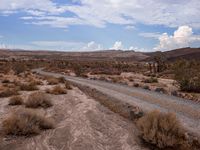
pixel 187 111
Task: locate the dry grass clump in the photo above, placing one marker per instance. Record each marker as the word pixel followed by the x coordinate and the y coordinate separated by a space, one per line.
pixel 186 73
pixel 151 80
pixel 57 90
pixel 16 100
pixel 146 87
pixel 26 122
pixel 37 82
pixel 28 86
pixel 5 81
pixel 8 92
pixel 52 80
pixel 68 85
pixel 38 99
pixel 116 79
pixel 161 129
pixel 61 79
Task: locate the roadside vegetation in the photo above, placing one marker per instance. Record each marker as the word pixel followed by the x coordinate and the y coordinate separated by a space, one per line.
pixel 7 92
pixel 16 100
pixel 57 90
pixel 162 130
pixel 38 99
pixel 187 74
pixel 26 122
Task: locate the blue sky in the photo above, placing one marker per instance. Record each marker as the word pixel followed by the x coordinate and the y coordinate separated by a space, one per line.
pixel 87 25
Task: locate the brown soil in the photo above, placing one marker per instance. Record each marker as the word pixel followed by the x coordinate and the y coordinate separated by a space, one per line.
pixel 81 123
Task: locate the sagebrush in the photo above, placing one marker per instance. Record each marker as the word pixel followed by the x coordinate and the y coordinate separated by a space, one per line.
pixel 161 129
pixel 26 122
pixel 16 100
pixel 38 99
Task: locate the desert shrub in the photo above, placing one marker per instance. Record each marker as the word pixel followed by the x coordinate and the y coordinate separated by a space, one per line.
pixel 136 85
pixel 68 85
pixel 36 82
pixel 5 81
pixel 57 90
pixel 28 86
pixel 8 92
pixel 52 81
pixel 187 74
pixel 116 79
pixel 160 90
pixel 26 122
pixel 160 59
pixel 151 80
pixel 61 79
pixel 161 129
pixel 102 78
pixel 4 68
pixel 146 87
pixel 10 85
pixel 38 99
pixel 78 70
pixel 16 100
pixel 131 79
pixel 19 68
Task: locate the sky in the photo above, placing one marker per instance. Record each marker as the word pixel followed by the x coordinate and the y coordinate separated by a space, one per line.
pixel 88 25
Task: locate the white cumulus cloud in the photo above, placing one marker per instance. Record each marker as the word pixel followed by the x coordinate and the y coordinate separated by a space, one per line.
pixel 182 37
pixel 117 46
pixel 152 12
pixel 130 27
pixel 150 34
pixel 55 46
pixel 92 46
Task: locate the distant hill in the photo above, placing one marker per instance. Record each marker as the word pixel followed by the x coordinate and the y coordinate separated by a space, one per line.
pixel 186 53
pixel 182 53
pixel 97 55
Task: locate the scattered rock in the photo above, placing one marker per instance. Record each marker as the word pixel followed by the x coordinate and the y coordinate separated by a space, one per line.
pixel 146 87
pixel 160 90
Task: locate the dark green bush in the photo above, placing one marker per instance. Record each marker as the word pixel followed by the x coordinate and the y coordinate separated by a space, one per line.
pixel 187 74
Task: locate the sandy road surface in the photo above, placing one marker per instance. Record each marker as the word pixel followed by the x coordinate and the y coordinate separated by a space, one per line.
pixel 187 111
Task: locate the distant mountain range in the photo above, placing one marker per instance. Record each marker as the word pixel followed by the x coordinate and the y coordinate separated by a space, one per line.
pixel 182 53
pixel 186 53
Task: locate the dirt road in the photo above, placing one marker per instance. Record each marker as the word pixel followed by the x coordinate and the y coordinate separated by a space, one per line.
pixel 81 123
pixel 187 111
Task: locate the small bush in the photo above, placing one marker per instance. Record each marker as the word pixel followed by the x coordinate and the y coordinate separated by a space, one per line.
pixel 52 81
pixel 28 87
pixel 56 90
pixel 161 129
pixel 61 79
pixel 37 82
pixel 38 99
pixel 16 100
pixel 136 85
pixel 8 92
pixel 131 79
pixel 5 81
pixel 26 122
pixel 146 87
pixel 68 85
pixel 160 90
pixel 151 80
pixel 19 68
pixel 187 75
